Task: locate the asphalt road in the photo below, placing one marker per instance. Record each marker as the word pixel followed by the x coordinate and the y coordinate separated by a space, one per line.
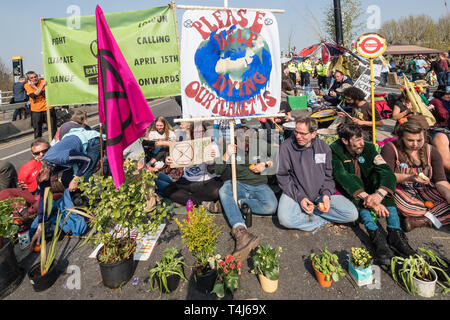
pixel 297 280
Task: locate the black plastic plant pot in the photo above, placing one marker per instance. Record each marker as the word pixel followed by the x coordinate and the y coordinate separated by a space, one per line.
pixel 42 282
pixel 11 275
pixel 205 282
pixel 115 275
pixel 172 283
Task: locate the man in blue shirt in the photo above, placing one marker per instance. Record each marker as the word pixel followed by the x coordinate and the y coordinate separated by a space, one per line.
pixel 421 66
pixel 20 95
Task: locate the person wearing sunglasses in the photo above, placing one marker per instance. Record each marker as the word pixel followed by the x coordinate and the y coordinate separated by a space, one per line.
pixel 29 171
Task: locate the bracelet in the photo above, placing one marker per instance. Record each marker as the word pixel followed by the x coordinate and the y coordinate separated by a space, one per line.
pixel 380 194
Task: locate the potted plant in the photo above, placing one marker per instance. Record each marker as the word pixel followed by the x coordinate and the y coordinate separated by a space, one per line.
pixel 266 264
pixel 10 273
pixel 167 272
pixel 200 233
pixel 228 271
pixel 43 274
pixel 417 275
pixel 327 268
pixel 116 213
pixel 360 266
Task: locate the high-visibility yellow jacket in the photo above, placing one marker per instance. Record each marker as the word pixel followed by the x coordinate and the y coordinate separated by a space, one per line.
pixel 305 66
pixel 292 68
pixel 322 69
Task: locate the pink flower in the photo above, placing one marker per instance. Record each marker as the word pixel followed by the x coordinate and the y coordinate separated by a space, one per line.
pixel 232 266
pixel 225 270
pixel 222 263
pixel 239 265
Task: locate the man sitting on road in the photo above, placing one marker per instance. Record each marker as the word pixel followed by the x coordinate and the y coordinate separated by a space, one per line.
pixel 340 82
pixel 362 175
pixel 253 193
pixel 305 175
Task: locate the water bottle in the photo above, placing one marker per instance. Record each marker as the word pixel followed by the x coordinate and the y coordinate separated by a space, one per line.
pixel 24 237
pixel 189 206
pixel 374 216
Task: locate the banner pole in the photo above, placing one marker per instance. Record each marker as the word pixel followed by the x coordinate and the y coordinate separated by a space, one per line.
pixel 233 162
pixel 176 26
pixel 49 124
pixel 373 102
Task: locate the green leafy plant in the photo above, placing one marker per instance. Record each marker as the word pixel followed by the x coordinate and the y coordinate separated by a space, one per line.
pixel 48 252
pixel 118 212
pixel 228 271
pixel 170 264
pixel 266 261
pixel 199 234
pixel 405 269
pixel 328 263
pixel 8 229
pixel 434 259
pixel 361 258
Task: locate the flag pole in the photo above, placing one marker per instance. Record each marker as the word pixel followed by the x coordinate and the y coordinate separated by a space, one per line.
pixel 101 150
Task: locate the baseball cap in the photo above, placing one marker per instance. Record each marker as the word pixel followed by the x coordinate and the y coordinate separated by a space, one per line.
pixel 28 174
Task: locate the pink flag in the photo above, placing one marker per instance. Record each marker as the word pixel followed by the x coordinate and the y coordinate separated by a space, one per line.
pixel 122 107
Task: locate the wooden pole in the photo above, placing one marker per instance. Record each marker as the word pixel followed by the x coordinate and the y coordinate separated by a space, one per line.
pixel 278 115
pixel 176 26
pixel 101 150
pixel 226 9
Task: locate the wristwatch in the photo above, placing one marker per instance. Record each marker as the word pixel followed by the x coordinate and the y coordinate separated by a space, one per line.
pixel 266 164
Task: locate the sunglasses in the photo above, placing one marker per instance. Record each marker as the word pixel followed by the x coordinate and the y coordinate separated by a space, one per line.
pixel 39 152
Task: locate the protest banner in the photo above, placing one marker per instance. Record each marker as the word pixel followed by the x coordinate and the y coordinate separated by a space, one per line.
pixel 230 63
pixel 147 37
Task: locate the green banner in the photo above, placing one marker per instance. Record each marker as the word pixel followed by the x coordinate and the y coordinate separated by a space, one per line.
pixel 147 39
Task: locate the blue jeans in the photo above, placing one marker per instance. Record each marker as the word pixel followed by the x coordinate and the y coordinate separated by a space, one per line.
pixel 393 221
pixel 260 199
pixel 93 151
pixel 291 215
pixel 161 182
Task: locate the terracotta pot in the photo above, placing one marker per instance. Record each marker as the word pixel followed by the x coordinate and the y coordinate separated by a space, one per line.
pixel 269 286
pixel 321 278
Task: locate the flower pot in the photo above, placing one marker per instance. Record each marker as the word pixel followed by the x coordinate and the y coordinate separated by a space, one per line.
pixel 42 282
pixel 172 283
pixel 205 282
pixel 321 278
pixel 11 275
pixel 118 273
pixel 426 288
pixel 362 276
pixel 269 286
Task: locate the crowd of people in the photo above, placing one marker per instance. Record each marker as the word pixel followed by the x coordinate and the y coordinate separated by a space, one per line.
pixel 316 183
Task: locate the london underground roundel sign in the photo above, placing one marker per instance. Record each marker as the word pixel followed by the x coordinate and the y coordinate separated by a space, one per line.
pixel 371 45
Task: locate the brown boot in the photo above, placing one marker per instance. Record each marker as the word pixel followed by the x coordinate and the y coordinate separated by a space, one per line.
pixel 245 242
pixel 411 223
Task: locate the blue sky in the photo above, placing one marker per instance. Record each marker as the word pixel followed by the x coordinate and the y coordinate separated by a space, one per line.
pixel 20 32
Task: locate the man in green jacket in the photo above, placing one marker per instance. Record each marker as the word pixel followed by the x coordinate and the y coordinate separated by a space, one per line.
pixel 362 175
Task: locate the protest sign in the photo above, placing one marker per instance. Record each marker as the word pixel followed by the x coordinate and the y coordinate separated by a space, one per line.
pixel 230 63
pixel 147 38
pixel 191 152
